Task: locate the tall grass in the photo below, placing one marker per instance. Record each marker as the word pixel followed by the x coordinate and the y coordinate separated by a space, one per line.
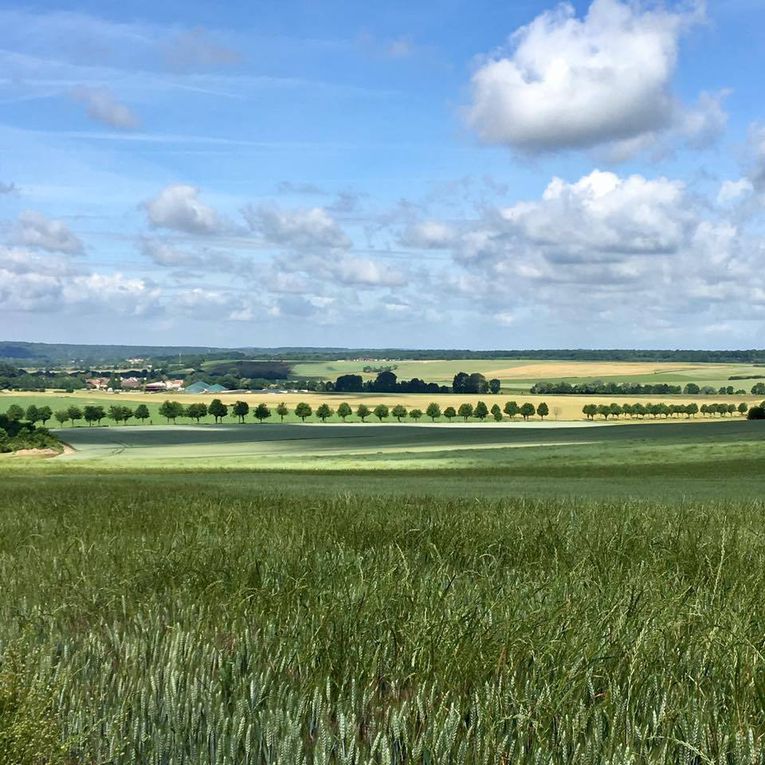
pixel 177 626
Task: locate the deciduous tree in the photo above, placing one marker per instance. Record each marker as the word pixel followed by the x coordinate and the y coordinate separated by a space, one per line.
pixel 344 410
pixel 303 410
pixel 217 409
pixel 398 411
pixel 262 412
pixel 465 411
pixel 381 411
pixel 433 411
pixel 324 411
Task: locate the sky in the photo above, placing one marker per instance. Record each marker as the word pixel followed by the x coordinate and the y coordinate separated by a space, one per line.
pixel 454 174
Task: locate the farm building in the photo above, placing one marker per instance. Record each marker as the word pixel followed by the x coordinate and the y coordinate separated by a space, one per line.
pixel 202 387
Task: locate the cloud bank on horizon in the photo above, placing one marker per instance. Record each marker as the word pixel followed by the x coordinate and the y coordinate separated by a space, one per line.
pixel 540 175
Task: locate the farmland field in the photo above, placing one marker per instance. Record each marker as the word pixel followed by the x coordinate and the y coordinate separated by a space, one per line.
pixel 562 407
pixel 473 593
pixel 519 375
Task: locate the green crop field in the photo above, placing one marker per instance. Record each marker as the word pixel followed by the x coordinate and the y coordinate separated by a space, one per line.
pixel 285 593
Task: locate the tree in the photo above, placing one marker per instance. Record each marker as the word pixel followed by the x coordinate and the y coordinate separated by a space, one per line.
pixel 496 413
pixel 349 384
pixel 62 416
pixel 691 410
pixel 590 410
pixel 616 410
pixel 120 413
pixel 415 414
pixel 758 389
pixel 494 385
pixel 756 412
pixel 433 411
pixel 381 411
pixel 481 411
pixel 449 413
pixel 543 410
pixel 44 413
pixel 282 410
pixel 240 409
pixel 262 412
pixel 14 413
pixel 92 414
pixel 32 414
pixel 363 411
pixel 170 410
pixel 385 382
pixel 142 412
pixel 303 410
pixel 324 411
pixel 217 409
pixel 742 408
pixel 527 410
pixel 465 411
pixel 344 410
pixel 691 389
pixel 398 411
pixel 75 413
pixel 512 409
pixel 195 411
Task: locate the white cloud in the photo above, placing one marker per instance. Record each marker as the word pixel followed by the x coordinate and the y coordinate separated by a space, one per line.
pixel 178 207
pixel 102 106
pixel 36 230
pixel 602 216
pixel 571 83
pixel 732 191
pixel 428 235
pixel 304 229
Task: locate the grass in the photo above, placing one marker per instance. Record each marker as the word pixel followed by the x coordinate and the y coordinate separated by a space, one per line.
pixel 232 623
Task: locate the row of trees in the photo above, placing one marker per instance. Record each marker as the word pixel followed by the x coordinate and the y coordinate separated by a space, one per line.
pixel 662 410
pixel 598 387
pixel 387 382
pixel 173 410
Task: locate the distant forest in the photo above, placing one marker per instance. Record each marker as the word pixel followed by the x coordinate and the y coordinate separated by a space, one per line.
pixel 34 354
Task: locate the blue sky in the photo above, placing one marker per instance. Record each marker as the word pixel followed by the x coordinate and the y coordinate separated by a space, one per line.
pixel 452 174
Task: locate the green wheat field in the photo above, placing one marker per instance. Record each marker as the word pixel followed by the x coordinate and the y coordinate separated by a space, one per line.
pixel 602 601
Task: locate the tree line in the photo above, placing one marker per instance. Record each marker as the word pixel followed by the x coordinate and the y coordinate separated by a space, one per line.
pixel 19 432
pixel 386 381
pixel 591 411
pixel 598 387
pixel 171 411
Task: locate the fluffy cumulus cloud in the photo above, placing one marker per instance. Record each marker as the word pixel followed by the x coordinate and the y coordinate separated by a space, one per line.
pixel 567 82
pixel 30 281
pixel 627 251
pixel 303 229
pixel 602 216
pixel 179 208
pixel 34 229
pixel 102 106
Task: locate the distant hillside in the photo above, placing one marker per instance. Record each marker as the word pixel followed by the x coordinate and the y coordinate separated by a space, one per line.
pixel 61 353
